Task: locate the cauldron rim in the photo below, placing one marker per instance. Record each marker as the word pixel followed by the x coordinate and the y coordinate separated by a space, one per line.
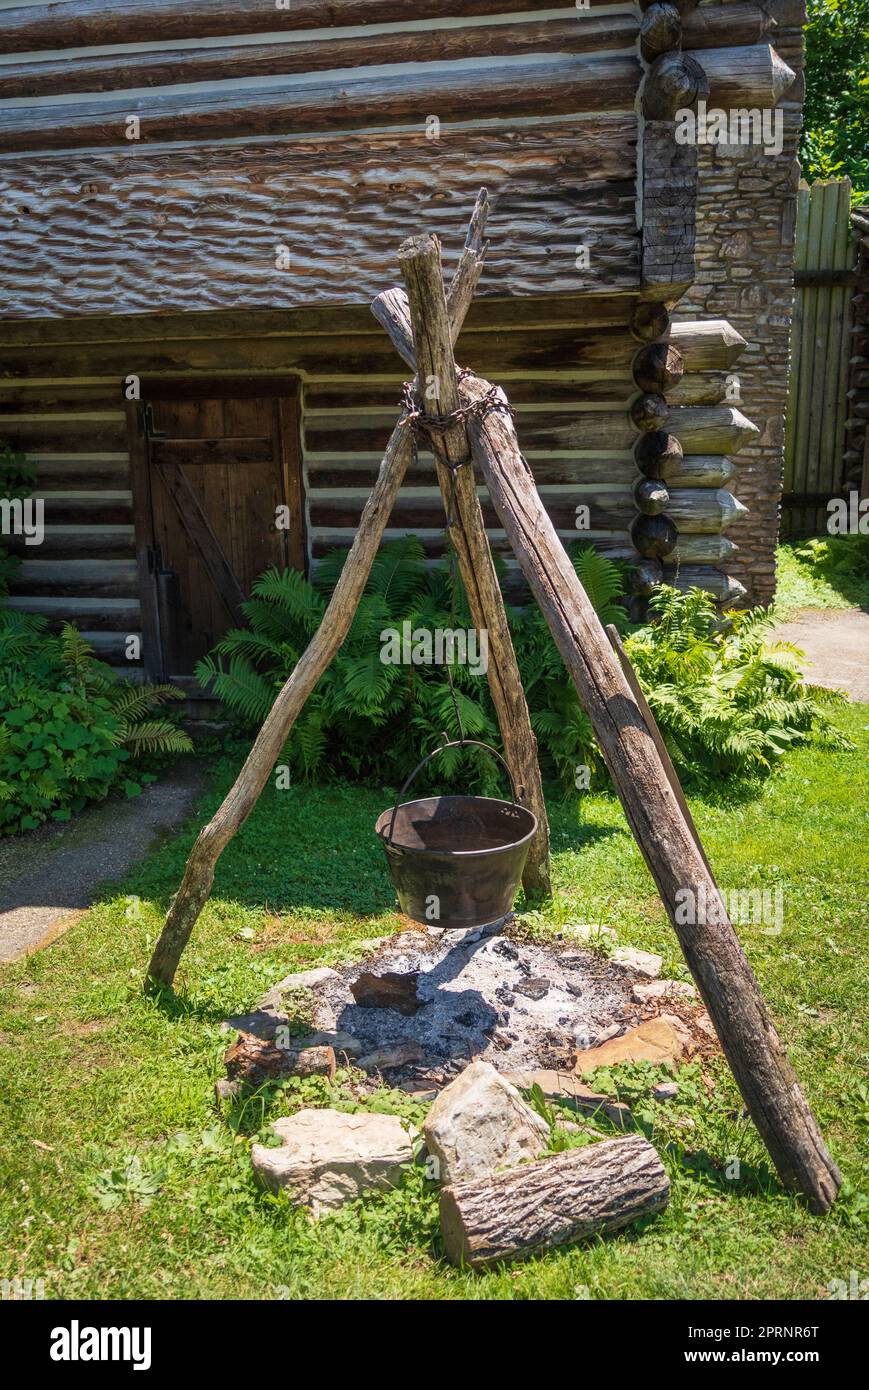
pixel 385 817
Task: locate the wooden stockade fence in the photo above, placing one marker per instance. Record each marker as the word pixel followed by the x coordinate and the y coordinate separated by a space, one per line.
pixel 820 350
pixel 469 427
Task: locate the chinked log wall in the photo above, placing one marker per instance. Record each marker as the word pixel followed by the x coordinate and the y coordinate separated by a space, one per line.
pixel 119 228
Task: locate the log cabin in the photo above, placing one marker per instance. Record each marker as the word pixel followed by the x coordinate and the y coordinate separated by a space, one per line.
pixel 200 198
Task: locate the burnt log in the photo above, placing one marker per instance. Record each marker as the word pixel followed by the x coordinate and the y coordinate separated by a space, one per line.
pixel 653 537
pixel 658 455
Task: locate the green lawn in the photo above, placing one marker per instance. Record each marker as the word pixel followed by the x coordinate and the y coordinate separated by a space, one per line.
pixel 92 1073
pixel 822 581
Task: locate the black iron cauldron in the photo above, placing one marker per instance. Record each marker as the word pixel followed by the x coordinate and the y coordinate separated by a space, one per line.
pixel 456 861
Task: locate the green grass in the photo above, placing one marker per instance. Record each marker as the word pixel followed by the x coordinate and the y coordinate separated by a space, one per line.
pixel 806 582
pixel 92 1074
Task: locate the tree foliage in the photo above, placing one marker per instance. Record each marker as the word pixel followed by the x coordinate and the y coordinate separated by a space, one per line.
pixel 835 138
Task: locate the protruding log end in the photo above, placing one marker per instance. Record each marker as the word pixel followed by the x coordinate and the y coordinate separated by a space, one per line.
pixel 651 496
pixel 782 77
pixel 674 83
pixel 649 412
pixel 704 550
pixel 645 577
pixel 658 455
pixel 723 587
pixel 698 510
pixel 658 367
pixel 653 537
pixel 650 320
pixel 707 344
pixel 714 429
pixel 660 31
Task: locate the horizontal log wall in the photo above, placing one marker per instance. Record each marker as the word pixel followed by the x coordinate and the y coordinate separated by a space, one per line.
pixel 305 129
pixel 573 418
pixel 84 571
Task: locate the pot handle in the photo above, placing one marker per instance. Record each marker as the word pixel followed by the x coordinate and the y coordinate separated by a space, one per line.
pixel 451 743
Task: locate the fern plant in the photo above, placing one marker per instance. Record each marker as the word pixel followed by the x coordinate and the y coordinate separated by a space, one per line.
pixel 69 728
pixel 376 720
pixel 728 701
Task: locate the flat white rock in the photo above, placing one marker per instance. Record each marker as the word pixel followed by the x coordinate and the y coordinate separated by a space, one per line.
pixel 327 1158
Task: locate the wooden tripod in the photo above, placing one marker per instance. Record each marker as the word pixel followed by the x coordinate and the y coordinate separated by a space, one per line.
pixel 474 427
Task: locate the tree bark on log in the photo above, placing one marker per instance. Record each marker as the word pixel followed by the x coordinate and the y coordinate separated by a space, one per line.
pixel 710 944
pixel 420 258
pixel 540 1206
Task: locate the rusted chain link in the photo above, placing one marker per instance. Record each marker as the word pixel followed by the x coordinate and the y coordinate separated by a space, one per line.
pixel 422 424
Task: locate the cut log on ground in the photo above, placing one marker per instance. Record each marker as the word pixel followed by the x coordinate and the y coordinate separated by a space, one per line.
pixel 540 1206
pixel 710 944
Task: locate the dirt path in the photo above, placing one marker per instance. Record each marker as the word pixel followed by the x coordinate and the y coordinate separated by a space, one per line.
pixel 49 878
pixel 836 644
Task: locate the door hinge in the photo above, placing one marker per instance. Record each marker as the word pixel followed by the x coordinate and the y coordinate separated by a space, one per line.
pixel 151 430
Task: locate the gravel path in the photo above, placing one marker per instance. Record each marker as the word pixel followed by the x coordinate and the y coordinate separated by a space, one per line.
pixel 49 878
pixel 836 644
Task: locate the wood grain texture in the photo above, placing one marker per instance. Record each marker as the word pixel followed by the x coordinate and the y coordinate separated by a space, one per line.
pixel 319 355
pixel 542 430
pixel 503 88
pixel 720 429
pixel 80 23
pixel 582 310
pixel 747 76
pixel 162 67
pixel 703 509
pixel 724 588
pixel 200 229
pixel 716 26
pixel 669 212
pixel 560 1199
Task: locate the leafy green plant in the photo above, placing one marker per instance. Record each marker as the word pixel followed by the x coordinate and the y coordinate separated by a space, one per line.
pixel 127 1182
pixel 728 702
pixel 841 561
pixel 375 720
pixel 835 138
pixel 68 725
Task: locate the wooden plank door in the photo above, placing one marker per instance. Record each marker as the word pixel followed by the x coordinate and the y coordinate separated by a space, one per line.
pixel 218 468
